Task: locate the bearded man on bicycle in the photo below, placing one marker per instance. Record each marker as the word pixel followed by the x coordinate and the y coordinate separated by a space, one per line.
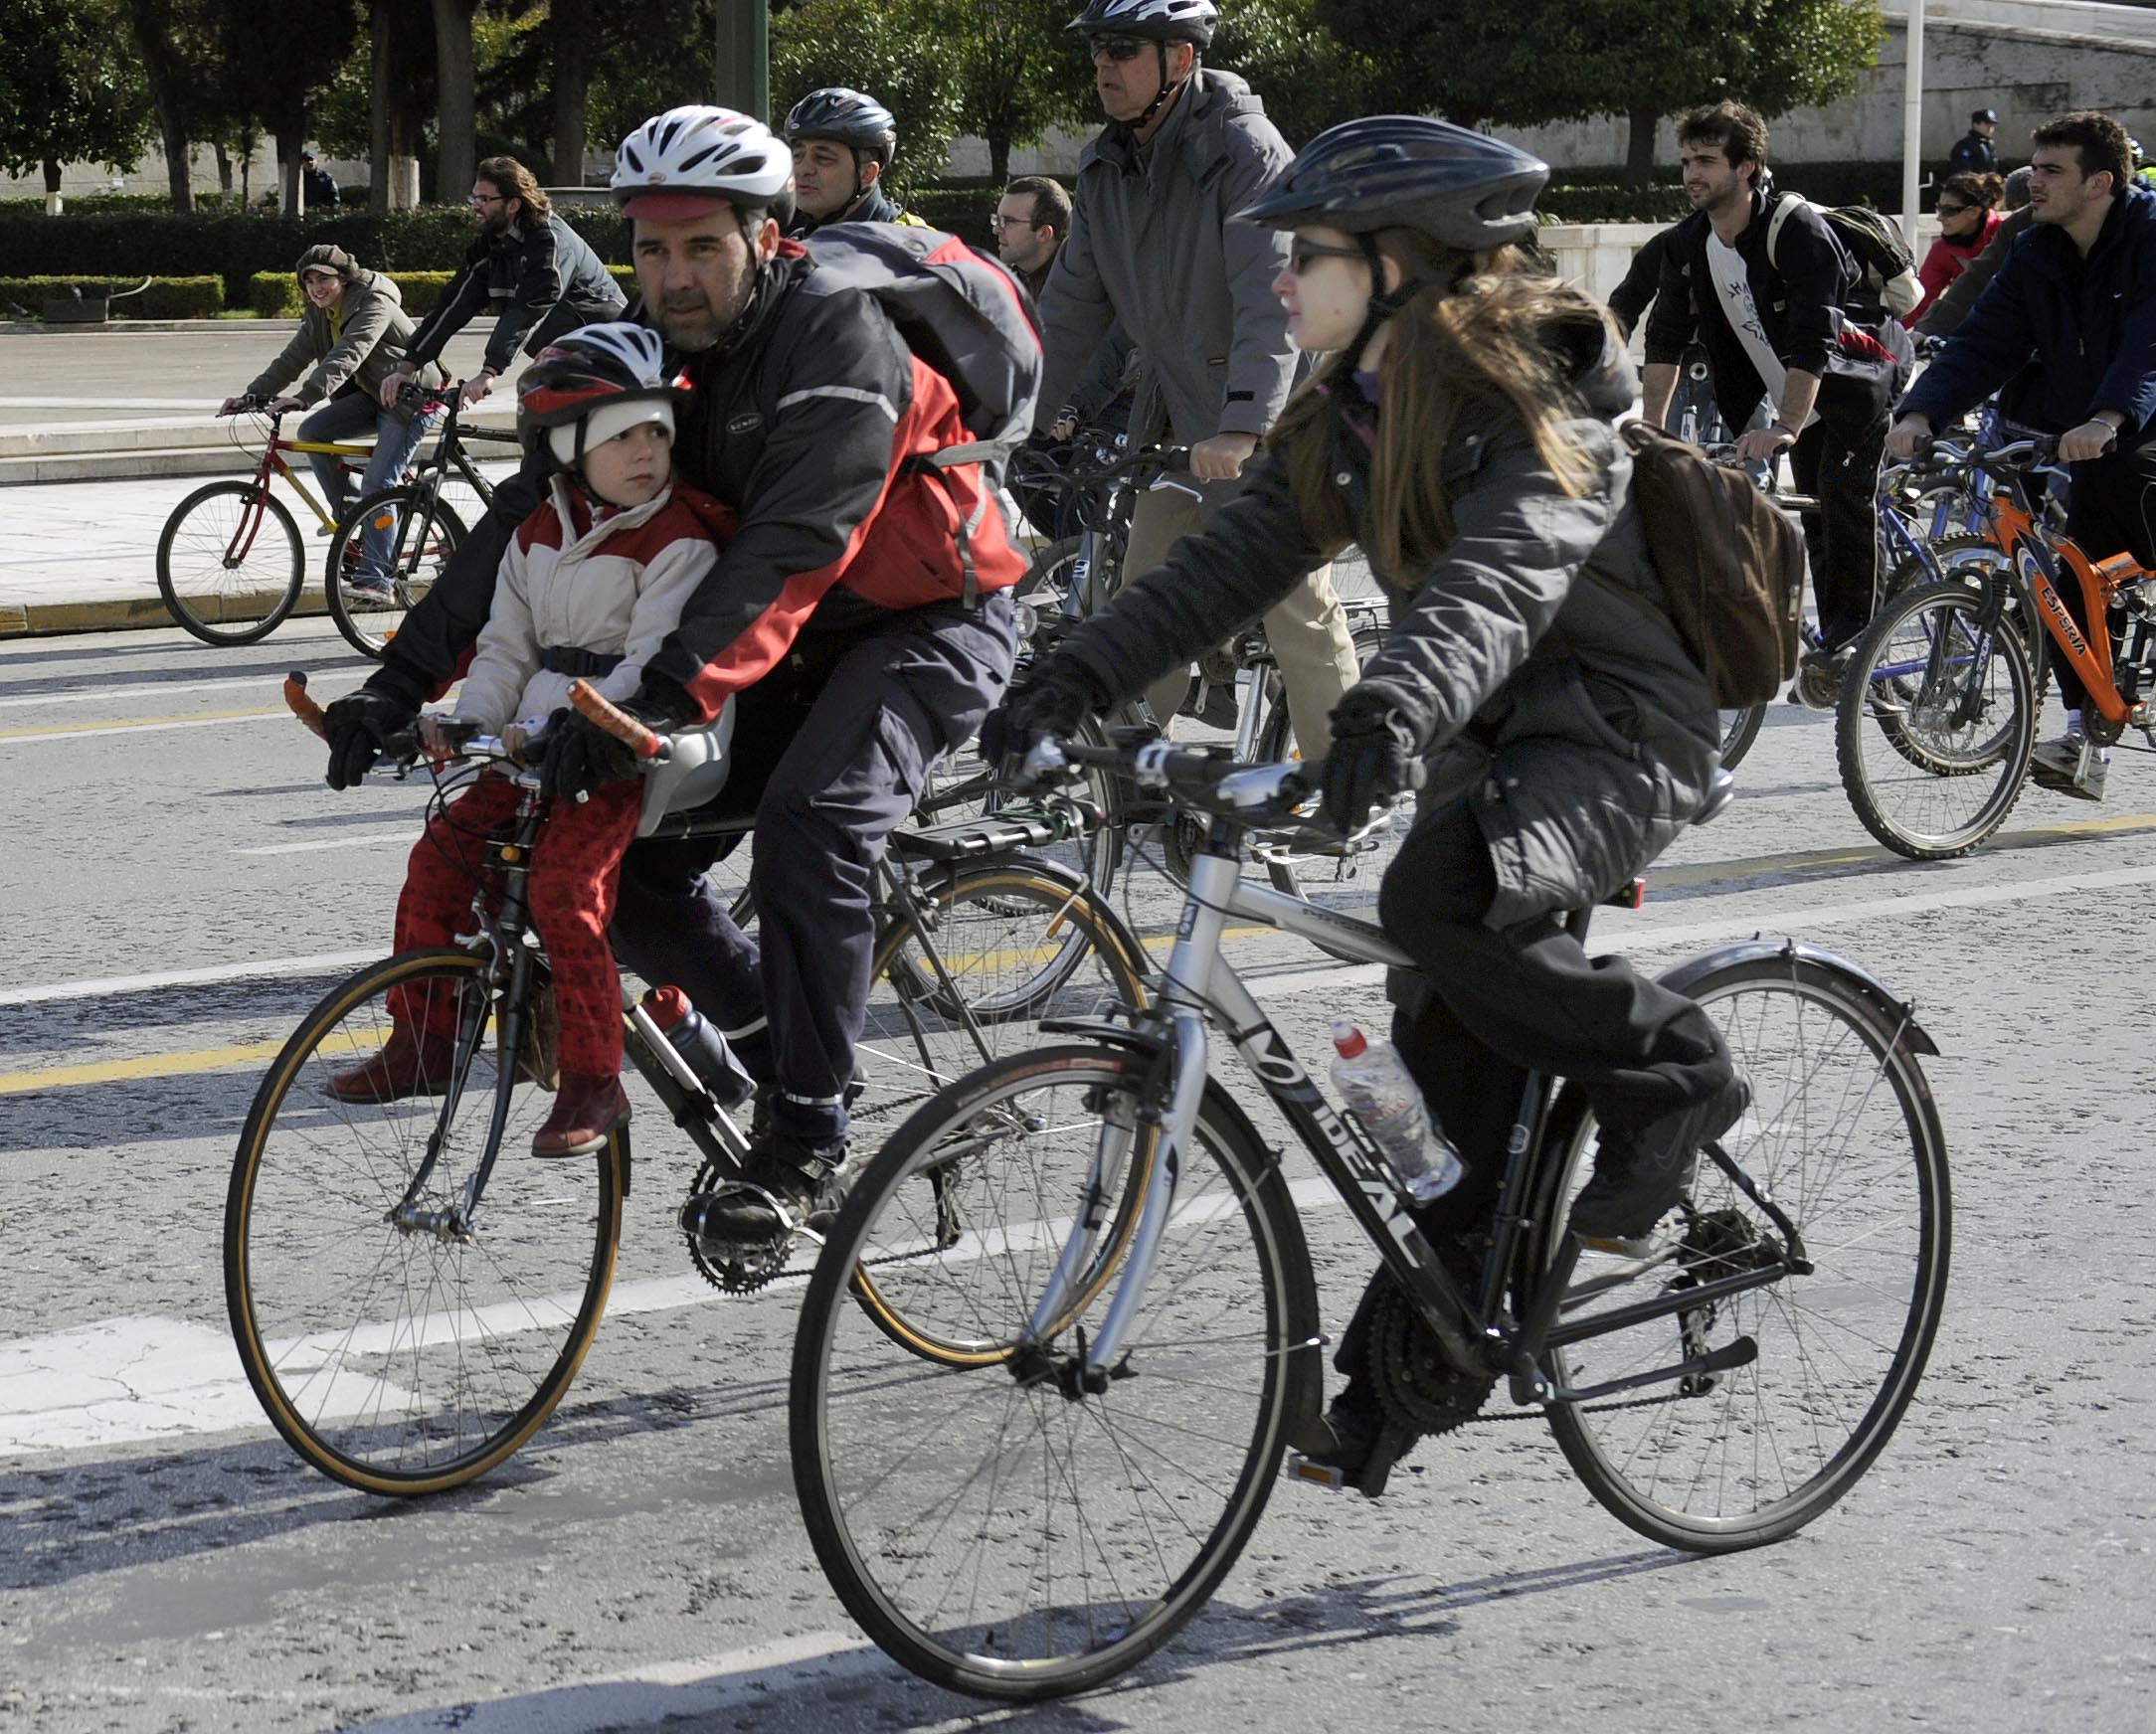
pixel 860 642
pixel 1460 432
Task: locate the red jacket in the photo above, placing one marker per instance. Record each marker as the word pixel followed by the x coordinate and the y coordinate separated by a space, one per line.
pixel 1946 261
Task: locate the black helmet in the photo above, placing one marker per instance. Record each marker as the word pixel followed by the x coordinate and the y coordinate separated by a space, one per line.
pixel 847 116
pixel 1190 21
pixel 1405 171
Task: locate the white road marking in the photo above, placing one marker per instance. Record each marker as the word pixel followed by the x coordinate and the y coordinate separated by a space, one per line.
pixel 350 840
pixel 97 987
pixel 99 730
pixel 157 688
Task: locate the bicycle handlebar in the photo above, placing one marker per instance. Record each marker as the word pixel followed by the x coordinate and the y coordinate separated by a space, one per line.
pixel 1208 777
pixel 594 707
pixel 1131 467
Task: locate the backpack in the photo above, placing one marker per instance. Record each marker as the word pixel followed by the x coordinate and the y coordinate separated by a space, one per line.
pixel 1888 266
pixel 1732 566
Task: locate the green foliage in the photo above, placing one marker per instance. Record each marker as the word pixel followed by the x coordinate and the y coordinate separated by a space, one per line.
pixel 67 92
pixel 896 52
pixel 289 52
pixel 1018 71
pixel 1308 76
pixel 167 298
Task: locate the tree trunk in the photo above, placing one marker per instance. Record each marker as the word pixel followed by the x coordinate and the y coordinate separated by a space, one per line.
pixel 572 83
pixel 157 73
pixel 247 163
pixel 1640 146
pixel 381 33
pixel 455 102
pixel 999 160
pixel 291 189
pixel 53 204
pixel 223 169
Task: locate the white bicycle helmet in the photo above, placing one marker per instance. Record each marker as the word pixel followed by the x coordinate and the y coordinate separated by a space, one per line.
pixel 677 162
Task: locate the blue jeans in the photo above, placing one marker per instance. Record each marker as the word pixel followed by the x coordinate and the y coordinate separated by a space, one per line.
pixel 351 416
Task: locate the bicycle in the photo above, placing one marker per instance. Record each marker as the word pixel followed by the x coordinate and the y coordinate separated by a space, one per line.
pixel 422 530
pixel 411 1293
pixel 1937 721
pixel 1139 1292
pixel 229 561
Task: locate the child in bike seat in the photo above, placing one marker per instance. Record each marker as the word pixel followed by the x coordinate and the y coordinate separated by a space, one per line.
pixel 592 584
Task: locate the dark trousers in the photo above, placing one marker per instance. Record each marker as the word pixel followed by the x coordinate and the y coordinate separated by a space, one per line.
pixel 1837 461
pixel 829 753
pixel 2110 510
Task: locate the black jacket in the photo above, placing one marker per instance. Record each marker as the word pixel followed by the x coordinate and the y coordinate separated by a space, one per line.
pixel 1630 299
pixel 1569 717
pixel 801 422
pixel 1972 156
pixel 540 282
pixel 1797 292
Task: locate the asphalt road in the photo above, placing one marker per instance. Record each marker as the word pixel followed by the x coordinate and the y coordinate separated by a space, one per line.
pixel 179 887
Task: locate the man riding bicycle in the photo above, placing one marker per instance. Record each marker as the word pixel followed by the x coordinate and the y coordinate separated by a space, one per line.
pixel 842 144
pixel 1459 433
pixel 860 642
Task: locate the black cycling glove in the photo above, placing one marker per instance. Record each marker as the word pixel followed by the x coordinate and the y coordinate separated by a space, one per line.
pixel 357 726
pixel 1053 699
pixel 581 756
pixel 1376 754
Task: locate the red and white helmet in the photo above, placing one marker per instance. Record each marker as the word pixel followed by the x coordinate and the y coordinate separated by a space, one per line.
pixel 676 163
pixel 594 383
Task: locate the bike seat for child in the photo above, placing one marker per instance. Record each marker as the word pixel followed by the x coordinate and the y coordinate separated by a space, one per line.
pixel 693 772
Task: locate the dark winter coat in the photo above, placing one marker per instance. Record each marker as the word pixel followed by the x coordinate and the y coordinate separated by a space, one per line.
pixel 538 283
pixel 1568 717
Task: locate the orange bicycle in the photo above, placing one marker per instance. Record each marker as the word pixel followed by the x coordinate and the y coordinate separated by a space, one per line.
pixel 231 563
pixel 1937 721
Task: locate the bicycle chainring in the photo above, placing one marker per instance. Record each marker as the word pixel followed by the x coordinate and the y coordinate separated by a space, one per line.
pixel 733 1266
pixel 1417 1385
pixel 2099 728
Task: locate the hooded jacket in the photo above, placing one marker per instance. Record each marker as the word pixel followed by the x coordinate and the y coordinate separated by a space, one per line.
pixel 1151 246
pixel 1570 718
pixel 356 350
pixel 540 282
pixel 2091 322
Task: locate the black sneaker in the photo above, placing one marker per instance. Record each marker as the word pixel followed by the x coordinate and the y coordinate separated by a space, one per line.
pixel 1639 1176
pixel 779 1175
pixel 1365 1447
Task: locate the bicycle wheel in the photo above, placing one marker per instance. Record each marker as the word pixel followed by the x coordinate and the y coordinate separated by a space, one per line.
pixel 229 563
pixel 1936 721
pixel 1843 1136
pixel 422 531
pixel 1974 557
pixel 991 1533
pixel 1740 729
pixel 998 948
pixel 398 1360
pixel 1047 581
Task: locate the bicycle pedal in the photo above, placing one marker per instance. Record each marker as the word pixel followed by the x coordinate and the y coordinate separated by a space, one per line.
pixel 1329 1476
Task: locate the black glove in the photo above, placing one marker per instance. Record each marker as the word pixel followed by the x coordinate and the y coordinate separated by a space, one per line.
pixel 1376 754
pixel 581 756
pixel 358 724
pixel 1053 699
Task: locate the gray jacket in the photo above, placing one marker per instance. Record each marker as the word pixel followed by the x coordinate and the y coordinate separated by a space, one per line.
pixel 1151 246
pixel 372 332
pixel 1567 716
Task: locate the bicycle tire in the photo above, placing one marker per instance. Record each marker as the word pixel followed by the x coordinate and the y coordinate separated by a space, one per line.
pixel 1749 1456
pixel 366 1399
pixel 865 1409
pixel 1041 573
pixel 1957 555
pixel 427 533
pixel 1740 729
pixel 219 597
pixel 1936 722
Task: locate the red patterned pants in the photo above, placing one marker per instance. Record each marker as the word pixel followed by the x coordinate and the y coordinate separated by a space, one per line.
pixel 576 872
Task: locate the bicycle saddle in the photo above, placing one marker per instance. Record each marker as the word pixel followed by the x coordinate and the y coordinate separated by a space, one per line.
pixel 693 772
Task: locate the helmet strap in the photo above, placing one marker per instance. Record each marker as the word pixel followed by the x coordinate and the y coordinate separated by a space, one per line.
pixel 1168 90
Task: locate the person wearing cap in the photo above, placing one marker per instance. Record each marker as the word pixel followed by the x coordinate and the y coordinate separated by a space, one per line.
pixel 1151 249
pixel 588 589
pixel 320 184
pixel 538 276
pixel 1973 153
pixel 1461 431
pixel 843 144
pixel 859 640
pixel 350 342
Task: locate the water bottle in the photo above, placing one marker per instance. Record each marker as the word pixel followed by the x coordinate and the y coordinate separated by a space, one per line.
pixel 700 1044
pixel 1383 1095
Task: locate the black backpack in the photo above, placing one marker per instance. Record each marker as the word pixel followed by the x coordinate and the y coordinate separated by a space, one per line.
pixel 1732 566
pixel 1884 258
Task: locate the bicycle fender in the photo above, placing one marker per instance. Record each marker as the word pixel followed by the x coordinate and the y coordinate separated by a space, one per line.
pixel 1894 1013
pixel 1101 1029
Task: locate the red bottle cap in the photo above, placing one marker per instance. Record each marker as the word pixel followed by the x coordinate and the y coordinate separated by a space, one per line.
pixel 667 1006
pixel 1349 1040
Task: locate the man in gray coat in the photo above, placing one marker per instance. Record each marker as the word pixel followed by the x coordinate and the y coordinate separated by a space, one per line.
pixel 1151 248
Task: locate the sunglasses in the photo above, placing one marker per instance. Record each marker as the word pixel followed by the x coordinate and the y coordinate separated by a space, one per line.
pixel 1954 210
pixel 1117 47
pixel 1302 254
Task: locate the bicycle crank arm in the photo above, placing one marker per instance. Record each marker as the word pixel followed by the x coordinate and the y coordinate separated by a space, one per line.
pixel 1740 1354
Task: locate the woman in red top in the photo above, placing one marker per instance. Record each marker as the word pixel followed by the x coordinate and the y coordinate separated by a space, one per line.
pixel 1969 219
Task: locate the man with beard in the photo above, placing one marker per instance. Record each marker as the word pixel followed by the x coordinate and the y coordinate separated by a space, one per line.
pixel 860 642
pixel 533 271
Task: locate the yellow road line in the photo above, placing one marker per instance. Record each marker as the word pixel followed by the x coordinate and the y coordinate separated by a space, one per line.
pixel 160 1065
pixel 137 723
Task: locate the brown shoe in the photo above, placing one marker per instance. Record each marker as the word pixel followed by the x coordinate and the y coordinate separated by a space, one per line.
pixel 586 1108
pixel 409 1064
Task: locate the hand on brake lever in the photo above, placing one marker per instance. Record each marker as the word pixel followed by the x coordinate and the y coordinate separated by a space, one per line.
pixel 1053 699
pixel 1376 756
pixel 580 756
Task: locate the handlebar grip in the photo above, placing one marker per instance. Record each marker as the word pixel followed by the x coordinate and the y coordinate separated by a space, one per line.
pixel 602 714
pixel 1176 456
pixel 302 705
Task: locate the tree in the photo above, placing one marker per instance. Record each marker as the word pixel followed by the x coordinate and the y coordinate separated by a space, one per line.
pixel 67 92
pixel 456 104
pixel 897 53
pixel 287 54
pixel 1532 61
pixel 1307 77
pixel 1019 70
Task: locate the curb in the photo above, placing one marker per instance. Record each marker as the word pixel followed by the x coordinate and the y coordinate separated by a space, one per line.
pixel 38 327
pixel 119 615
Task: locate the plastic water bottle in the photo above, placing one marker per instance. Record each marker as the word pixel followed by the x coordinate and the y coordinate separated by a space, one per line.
pixel 700 1044
pixel 1377 1086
